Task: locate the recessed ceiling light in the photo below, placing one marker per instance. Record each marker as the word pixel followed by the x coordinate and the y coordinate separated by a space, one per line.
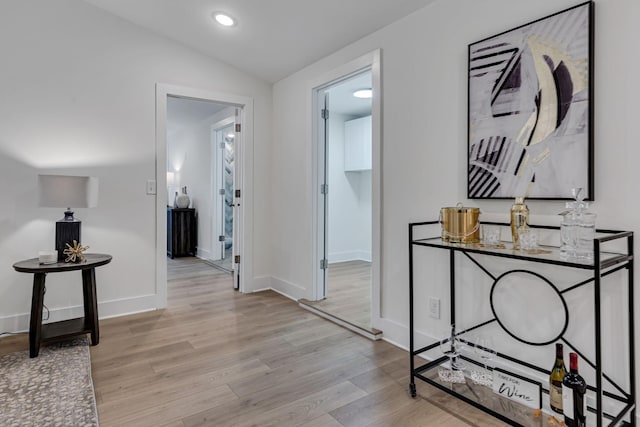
pixel 224 19
pixel 363 93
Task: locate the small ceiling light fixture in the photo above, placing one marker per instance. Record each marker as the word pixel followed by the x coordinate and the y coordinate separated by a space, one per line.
pixel 223 19
pixel 363 93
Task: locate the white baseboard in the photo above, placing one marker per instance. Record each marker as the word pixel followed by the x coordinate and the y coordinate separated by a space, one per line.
pixel 203 253
pixel 106 309
pixel 260 283
pixel 288 289
pixel 284 295
pixel 16 323
pixel 266 283
pixel 125 306
pixel 394 332
pixel 398 334
pixel 349 256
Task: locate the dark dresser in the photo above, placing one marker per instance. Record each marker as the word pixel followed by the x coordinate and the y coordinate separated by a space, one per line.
pixel 182 232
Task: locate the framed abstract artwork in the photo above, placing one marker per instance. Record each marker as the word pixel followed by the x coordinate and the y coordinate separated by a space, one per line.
pixel 530 117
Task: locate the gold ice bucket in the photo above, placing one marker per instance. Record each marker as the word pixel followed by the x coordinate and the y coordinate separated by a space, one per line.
pixel 460 224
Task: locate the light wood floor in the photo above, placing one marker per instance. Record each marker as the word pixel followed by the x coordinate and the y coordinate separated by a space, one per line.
pixel 349 293
pixel 216 357
pixel 224 263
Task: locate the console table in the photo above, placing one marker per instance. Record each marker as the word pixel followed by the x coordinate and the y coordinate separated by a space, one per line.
pixel 58 331
pixel 611 402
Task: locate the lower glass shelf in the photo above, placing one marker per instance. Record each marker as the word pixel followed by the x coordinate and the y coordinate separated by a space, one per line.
pixel 483 398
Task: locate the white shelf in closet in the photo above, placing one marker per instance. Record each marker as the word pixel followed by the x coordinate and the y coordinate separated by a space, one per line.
pixel 357 144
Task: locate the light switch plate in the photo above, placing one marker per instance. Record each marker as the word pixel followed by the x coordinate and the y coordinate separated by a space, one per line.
pixel 151 186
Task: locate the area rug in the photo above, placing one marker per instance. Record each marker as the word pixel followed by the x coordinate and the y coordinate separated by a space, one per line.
pixel 53 389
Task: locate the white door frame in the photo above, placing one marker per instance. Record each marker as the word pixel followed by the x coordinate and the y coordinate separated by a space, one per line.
pixel 369 61
pixel 244 155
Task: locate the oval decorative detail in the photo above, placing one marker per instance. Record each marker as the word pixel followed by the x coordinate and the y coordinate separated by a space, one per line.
pixel 529 307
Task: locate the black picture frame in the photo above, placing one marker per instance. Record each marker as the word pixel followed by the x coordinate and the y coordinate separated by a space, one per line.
pixel 530 109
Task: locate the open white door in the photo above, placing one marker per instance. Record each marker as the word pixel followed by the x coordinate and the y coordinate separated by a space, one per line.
pixel 237 199
pixel 324 193
pixel 223 149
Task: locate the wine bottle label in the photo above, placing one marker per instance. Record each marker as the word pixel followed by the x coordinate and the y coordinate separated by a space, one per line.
pixel 555 396
pixel 567 402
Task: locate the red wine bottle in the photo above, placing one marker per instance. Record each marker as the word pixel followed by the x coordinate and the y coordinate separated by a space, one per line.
pixel 574 387
pixel 555 380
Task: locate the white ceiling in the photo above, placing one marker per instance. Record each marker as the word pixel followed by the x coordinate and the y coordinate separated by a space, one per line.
pixel 185 113
pixel 342 101
pixel 273 38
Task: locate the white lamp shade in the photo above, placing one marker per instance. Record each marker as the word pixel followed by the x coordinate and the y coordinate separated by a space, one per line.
pixel 63 191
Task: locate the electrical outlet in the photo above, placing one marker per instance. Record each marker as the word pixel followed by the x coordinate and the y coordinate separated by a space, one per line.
pixel 434 307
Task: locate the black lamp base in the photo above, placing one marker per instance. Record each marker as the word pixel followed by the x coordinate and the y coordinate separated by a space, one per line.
pixel 66 232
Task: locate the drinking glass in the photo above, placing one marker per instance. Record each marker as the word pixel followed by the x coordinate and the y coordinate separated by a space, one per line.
pixel 485 352
pixel 491 234
pixel 585 232
pixel 567 231
pixel 528 238
pixel 452 347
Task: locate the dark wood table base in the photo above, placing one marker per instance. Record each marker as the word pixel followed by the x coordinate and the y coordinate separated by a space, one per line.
pixel 58 331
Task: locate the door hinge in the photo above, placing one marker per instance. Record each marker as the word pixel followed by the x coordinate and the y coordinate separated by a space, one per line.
pixel 237 194
pixel 324 113
pixel 324 189
pixel 222 146
pixel 238 127
pixel 236 259
pixel 323 264
pixel 220 238
pixel 222 191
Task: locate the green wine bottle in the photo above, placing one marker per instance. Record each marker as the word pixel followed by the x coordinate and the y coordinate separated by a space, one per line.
pixel 555 380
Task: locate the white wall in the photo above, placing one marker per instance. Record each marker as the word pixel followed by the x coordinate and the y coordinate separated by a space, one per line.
pixel 78 97
pixel 190 147
pixel 424 79
pixel 349 201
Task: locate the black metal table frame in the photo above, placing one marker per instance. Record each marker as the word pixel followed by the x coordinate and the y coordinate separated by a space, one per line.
pixel 601 268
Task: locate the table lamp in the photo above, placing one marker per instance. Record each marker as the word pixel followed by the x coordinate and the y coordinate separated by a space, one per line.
pixel 63 191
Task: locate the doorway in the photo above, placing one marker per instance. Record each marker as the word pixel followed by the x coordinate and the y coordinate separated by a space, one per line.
pixel 190 163
pixel 201 157
pixel 344 200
